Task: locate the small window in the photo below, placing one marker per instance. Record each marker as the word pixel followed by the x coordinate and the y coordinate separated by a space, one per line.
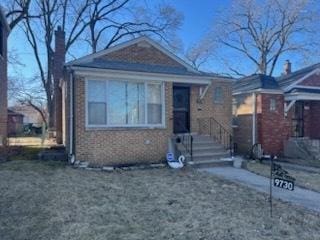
pixel 218 95
pixel 273 105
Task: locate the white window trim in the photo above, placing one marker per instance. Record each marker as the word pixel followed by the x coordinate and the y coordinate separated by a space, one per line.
pixel 107 126
pixel 219 101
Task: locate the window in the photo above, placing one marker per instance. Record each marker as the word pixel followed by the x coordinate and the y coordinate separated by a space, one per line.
pixel 97 104
pixel 124 104
pixel 218 95
pixel 273 106
pixel 154 104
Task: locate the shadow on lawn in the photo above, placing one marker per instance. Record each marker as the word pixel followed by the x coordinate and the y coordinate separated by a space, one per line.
pixel 25 158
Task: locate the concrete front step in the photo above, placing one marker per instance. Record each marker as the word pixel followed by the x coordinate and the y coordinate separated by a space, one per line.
pixel 208 150
pixel 200 149
pixel 205 144
pixel 211 163
pixel 206 157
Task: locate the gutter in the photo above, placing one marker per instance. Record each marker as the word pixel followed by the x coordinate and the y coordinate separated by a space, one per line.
pixel 254 118
pixel 71 120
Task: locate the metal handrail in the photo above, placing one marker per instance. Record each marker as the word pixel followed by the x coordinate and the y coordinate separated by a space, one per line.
pixel 217 131
pixel 187 143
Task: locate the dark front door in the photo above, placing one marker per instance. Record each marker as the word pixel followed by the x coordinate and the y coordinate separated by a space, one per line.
pixel 298 120
pixel 181 109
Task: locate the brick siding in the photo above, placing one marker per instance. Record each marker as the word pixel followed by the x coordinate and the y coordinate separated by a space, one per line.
pixel 272 128
pixel 120 146
pixel 312 81
pixel 207 108
pixel 142 53
pixel 139 145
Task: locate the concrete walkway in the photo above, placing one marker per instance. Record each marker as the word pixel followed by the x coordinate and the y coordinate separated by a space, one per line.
pixel 302 197
pixel 295 166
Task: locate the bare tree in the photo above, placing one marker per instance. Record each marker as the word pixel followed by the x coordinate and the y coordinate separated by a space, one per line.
pixel 263 31
pixel 105 21
pixel 17 10
pixel 200 53
pixel 28 92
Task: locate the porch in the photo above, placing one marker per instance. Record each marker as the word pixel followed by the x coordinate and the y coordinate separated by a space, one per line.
pixel 302 112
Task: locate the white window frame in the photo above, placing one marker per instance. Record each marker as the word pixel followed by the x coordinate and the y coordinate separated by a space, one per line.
pixel 219 101
pixel 145 125
pixel 272 105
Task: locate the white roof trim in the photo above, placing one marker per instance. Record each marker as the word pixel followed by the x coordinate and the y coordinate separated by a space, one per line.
pixel 301 96
pixel 260 90
pixel 296 83
pixel 307 87
pixel 130 75
pixel 132 42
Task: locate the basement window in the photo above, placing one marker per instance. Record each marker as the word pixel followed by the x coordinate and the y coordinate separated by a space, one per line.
pixel 273 105
pixel 113 103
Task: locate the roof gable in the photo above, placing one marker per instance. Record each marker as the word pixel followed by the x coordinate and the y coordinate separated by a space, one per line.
pixel 300 77
pixel 311 81
pixel 142 50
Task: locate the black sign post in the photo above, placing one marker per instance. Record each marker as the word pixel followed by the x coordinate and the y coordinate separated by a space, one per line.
pixel 279 178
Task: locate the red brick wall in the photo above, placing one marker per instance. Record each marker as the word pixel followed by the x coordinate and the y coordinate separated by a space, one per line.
pixel 142 53
pixel 272 125
pixel 314 119
pixel 3 87
pixel 313 80
pixel 59 60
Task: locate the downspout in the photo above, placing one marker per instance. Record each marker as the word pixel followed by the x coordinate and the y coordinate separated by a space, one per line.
pixel 71 132
pixel 254 118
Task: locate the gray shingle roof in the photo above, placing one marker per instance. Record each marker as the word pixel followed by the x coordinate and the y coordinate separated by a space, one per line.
pixel 255 81
pixel 287 80
pixel 140 67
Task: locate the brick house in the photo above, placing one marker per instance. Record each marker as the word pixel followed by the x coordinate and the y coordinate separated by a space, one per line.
pixel 4 32
pixel 278 112
pixel 122 105
pixel 15 123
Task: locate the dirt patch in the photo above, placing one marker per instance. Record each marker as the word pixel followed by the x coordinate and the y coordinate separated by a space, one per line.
pixel 303 179
pixel 39 201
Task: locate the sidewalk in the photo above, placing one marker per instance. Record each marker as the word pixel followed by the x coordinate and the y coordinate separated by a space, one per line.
pixel 302 197
pixel 295 166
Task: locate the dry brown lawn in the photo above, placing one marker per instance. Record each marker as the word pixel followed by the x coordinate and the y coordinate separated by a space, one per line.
pixel 304 179
pixel 52 201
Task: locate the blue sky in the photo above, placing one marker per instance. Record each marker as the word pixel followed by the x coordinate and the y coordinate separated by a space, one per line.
pixel 198 19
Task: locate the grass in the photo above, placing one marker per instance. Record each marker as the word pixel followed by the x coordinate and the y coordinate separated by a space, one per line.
pixel 49 200
pixel 303 179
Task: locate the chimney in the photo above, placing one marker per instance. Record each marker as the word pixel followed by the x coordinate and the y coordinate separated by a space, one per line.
pixel 287 67
pixel 58 64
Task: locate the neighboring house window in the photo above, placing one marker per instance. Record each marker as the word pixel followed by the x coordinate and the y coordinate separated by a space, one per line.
pixel 124 104
pixel 273 106
pixel 218 95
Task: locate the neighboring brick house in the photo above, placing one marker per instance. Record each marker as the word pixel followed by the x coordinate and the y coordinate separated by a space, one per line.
pixel 4 32
pixel 274 111
pixel 123 104
pixel 15 123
